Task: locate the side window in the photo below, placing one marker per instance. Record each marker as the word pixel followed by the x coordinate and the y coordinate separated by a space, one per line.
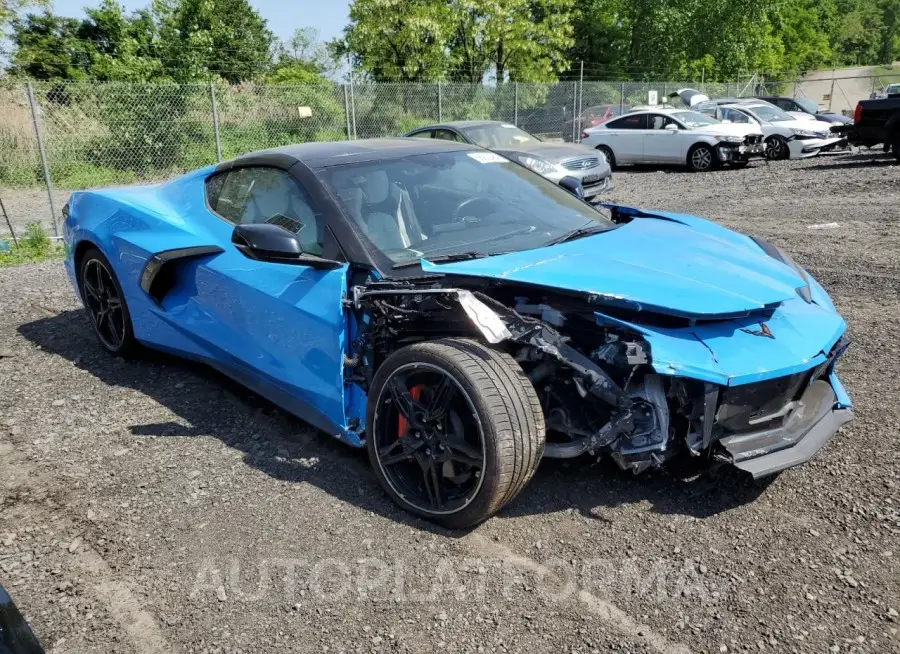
pixel 733 115
pixel 267 195
pixel 638 121
pixel 786 105
pixel 657 121
pixel 426 134
pixel 447 135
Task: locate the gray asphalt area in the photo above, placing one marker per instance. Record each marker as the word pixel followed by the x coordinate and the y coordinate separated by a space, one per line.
pixel 154 506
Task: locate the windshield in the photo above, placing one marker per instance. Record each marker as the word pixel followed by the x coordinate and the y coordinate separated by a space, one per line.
pixel 809 106
pixel 498 136
pixel 769 113
pixel 446 203
pixel 694 118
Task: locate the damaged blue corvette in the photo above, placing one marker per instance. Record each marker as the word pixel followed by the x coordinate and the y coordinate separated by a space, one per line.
pixel 462 317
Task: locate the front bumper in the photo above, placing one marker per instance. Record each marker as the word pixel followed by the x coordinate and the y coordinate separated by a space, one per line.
pixel 803 148
pixel 810 422
pixel 729 152
pixel 595 188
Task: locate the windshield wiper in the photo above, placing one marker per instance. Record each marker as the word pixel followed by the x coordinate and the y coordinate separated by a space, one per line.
pixel 447 258
pixel 581 232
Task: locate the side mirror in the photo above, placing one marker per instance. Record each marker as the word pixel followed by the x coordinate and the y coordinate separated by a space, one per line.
pixel 268 242
pixel 671 127
pixel 573 186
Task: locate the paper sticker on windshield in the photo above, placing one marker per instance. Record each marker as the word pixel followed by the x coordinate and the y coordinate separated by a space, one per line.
pixel 486 157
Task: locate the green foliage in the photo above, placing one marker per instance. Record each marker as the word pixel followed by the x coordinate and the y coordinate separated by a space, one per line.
pixel 430 40
pixel 519 40
pixel 34 245
pixel 399 40
pixel 203 38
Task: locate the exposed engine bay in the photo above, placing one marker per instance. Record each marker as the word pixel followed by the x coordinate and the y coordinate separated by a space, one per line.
pixel 598 392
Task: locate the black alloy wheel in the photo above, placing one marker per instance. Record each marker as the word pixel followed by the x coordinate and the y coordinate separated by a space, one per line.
pixel 454 430
pixel 429 442
pixel 105 304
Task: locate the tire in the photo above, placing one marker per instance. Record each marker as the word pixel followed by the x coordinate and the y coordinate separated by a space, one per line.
pixel 502 414
pixel 702 158
pixel 114 329
pixel 608 153
pixel 777 149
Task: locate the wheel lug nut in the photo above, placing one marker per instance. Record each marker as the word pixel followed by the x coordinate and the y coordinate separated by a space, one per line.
pixel 428 451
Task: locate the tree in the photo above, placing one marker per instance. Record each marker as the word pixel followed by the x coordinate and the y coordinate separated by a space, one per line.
pixel 206 38
pixel 124 47
pixel 521 40
pixel 9 8
pixel 398 40
pixel 47 47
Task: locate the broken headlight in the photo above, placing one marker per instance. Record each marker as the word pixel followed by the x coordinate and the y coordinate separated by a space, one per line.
pixel 777 253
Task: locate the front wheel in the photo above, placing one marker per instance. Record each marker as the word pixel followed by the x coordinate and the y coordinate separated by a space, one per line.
pixel 777 149
pixel 454 430
pixel 701 158
pixel 608 153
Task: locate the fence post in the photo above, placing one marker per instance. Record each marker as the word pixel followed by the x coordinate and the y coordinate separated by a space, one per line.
pixel 622 98
pixel 574 110
pixel 831 95
pixel 440 105
pixel 352 99
pixel 215 117
pixel 40 141
pixel 347 113
pixel 516 108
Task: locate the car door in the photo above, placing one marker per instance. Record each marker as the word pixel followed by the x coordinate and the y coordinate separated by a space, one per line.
pixel 664 140
pixel 626 137
pixel 278 328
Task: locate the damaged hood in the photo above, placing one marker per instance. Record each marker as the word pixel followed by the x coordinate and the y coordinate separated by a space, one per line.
pixel 655 264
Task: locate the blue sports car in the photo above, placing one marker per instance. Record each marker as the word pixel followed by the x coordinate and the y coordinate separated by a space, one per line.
pixel 462 317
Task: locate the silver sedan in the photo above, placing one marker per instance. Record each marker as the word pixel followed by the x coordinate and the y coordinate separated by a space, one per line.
pixel 552 160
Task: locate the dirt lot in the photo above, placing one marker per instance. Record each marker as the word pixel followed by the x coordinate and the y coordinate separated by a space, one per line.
pixel 153 506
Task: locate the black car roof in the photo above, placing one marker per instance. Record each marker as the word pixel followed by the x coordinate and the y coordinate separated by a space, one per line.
pixel 331 153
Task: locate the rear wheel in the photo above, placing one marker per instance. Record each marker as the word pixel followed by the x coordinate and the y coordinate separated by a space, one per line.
pixel 777 148
pixel 105 304
pixel 701 158
pixel 608 153
pixel 454 430
pixel 895 146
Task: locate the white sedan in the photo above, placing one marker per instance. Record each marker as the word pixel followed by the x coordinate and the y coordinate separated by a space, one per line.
pixel 787 137
pixel 662 135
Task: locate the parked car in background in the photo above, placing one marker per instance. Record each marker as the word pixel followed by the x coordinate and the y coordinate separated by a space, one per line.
pixel 664 135
pixel 877 122
pixel 805 108
pixel 593 116
pixel 554 161
pixel 786 136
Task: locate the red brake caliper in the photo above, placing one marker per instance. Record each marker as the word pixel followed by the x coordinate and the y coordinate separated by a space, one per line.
pixel 415 393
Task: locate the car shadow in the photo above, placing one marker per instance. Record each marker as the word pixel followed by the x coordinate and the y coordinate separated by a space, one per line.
pixel 872 159
pixel 287 449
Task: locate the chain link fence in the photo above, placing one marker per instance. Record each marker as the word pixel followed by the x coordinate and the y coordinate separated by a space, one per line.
pixel 56 137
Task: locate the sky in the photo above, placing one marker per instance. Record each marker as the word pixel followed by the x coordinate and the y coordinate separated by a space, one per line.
pixel 283 16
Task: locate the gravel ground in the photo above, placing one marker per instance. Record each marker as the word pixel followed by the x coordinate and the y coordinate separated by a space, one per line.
pixel 153 506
